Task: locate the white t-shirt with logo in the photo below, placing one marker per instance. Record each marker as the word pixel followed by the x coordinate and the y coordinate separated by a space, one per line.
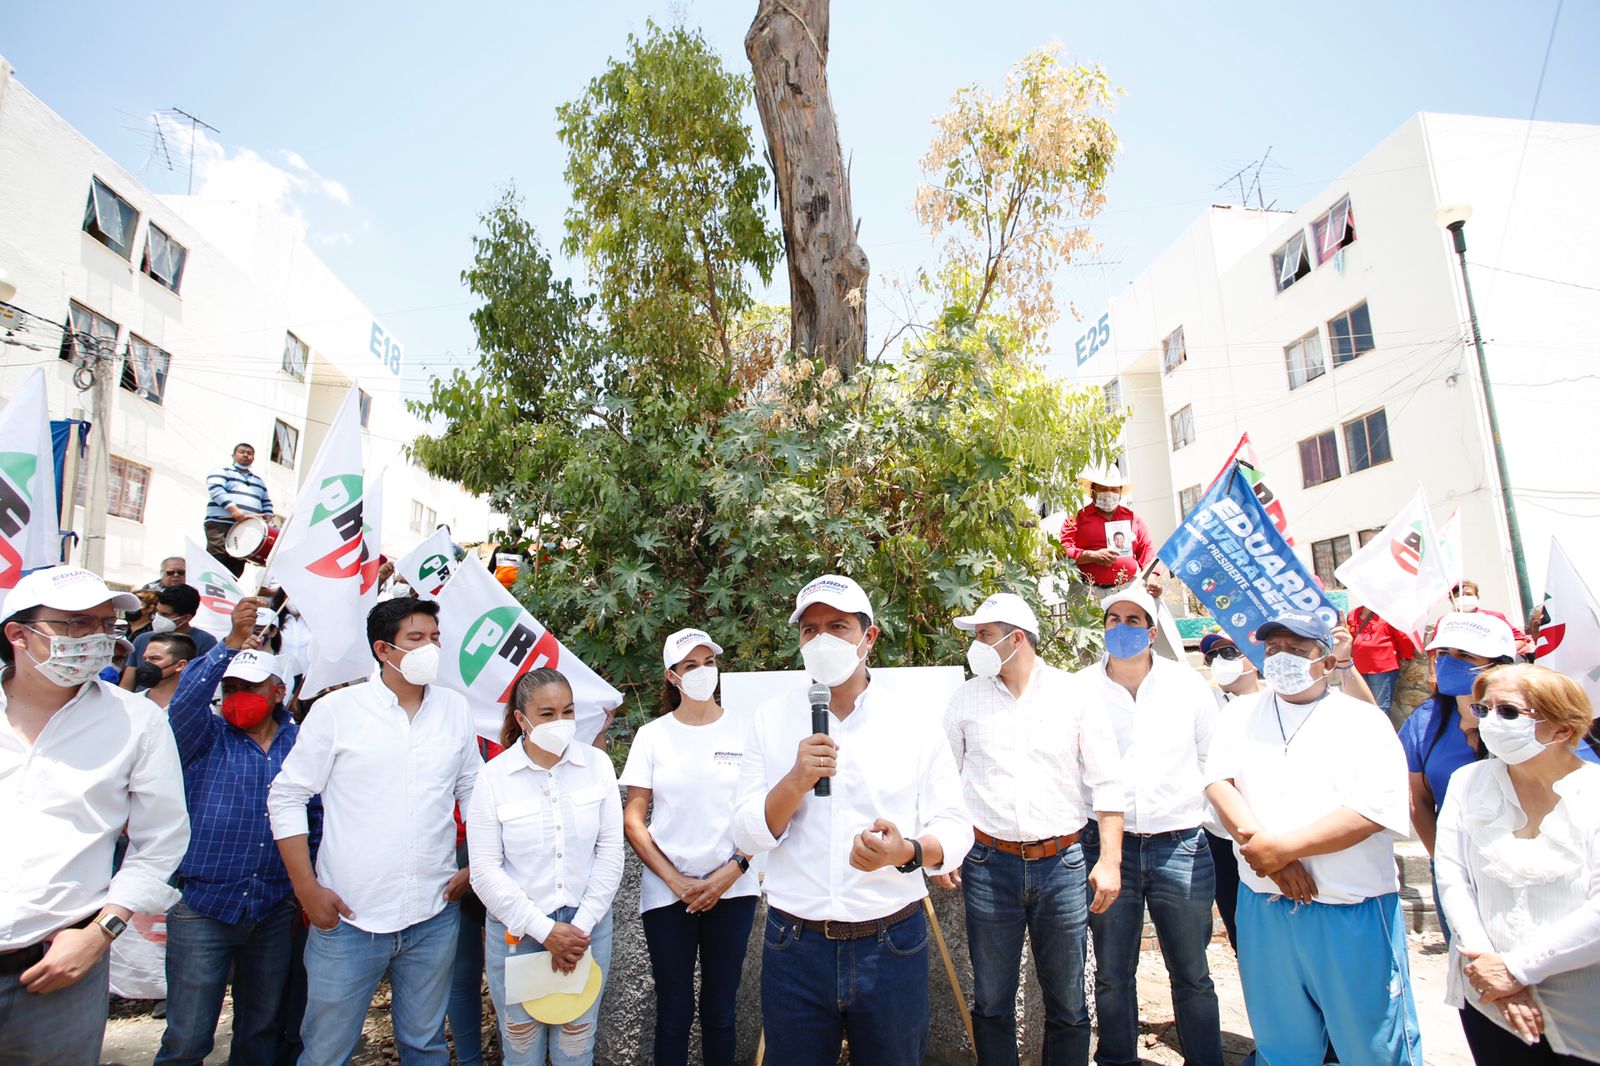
pixel 693 774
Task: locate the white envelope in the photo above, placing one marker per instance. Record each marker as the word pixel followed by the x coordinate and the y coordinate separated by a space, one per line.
pixel 532 976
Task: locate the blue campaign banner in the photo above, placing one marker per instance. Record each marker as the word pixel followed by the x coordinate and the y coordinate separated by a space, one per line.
pixel 1238 565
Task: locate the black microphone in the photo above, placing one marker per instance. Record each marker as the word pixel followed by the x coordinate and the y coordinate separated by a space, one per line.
pixel 820 696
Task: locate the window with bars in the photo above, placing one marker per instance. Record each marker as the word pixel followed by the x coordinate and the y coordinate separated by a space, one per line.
pixel 1173 351
pixel 126 489
pixel 1291 263
pixel 1333 231
pixel 144 369
pixel 110 219
pixel 87 336
pixel 1319 459
pixel 295 356
pixel 1350 334
pixel 1327 556
pixel 1113 393
pixel 285 442
pixel 164 257
pixel 1366 440
pixel 1188 498
pixel 365 403
pixel 1181 422
pixel 1304 359
pixel 1365 535
pixel 423 518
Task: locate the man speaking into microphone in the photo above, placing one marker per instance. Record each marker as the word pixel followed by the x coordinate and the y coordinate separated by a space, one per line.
pixel 845 945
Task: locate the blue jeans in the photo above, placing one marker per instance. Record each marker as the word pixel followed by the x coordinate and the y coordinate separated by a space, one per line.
pixel 524 1041
pixel 201 952
pixel 1172 875
pixel 62 1028
pixel 816 991
pixel 1007 896
pixel 1382 686
pixel 1225 862
pixel 465 1009
pixel 719 938
pixel 343 967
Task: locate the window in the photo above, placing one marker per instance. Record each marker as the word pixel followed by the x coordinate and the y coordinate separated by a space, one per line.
pixel 1305 361
pixel 285 442
pixel 1327 556
pixel 125 490
pixel 365 402
pixel 110 219
pixel 87 336
pixel 423 519
pixel 295 356
pixel 144 369
pixel 1333 231
pixel 1188 498
pixel 1319 459
pixel 1367 534
pixel 1366 440
pixel 1351 334
pixel 1172 351
pixel 1182 423
pixel 1113 391
pixel 1290 263
pixel 163 258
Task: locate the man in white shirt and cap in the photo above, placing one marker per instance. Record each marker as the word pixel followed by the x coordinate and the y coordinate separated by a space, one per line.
pixel 79 759
pixel 1034 762
pixel 1312 786
pixel 1163 713
pixel 845 940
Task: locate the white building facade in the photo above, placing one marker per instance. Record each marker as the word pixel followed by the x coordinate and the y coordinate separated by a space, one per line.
pixel 225 328
pixel 1336 336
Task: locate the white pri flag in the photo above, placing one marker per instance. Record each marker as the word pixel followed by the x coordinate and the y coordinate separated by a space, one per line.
pixel 1399 574
pixel 490 641
pixel 1569 630
pixel 219 590
pixel 327 556
pixel 30 533
pixel 1451 550
pixel 429 565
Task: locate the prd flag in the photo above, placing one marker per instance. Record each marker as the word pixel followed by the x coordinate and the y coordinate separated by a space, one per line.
pixel 1229 552
pixel 1244 454
pixel 490 641
pixel 1399 574
pixel 219 592
pixel 327 556
pixel 1569 627
pixel 30 534
pixel 429 565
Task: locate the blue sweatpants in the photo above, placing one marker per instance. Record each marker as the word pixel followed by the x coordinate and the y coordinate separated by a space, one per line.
pixel 1315 973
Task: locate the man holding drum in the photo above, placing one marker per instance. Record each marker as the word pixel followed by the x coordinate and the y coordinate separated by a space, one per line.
pixel 236 493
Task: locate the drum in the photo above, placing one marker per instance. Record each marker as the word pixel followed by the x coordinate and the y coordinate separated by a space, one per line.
pixel 251 539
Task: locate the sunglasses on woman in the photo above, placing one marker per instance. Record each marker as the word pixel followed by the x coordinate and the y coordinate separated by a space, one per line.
pixel 1509 711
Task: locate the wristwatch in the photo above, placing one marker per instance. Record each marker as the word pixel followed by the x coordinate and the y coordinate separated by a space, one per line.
pixel 743 862
pixel 111 925
pixel 915 862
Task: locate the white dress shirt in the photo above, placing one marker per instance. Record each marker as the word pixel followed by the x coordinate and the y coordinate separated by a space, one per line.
pixel 1163 735
pixel 389 784
pixel 542 839
pixel 104 760
pixel 893 764
pixel 1535 902
pixel 1035 767
pixel 1297 763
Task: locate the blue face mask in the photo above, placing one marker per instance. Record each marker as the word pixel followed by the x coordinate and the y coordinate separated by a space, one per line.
pixel 1125 642
pixel 1455 676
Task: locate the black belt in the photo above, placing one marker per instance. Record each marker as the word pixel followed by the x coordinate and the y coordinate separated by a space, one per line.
pixel 18 960
pixel 833 930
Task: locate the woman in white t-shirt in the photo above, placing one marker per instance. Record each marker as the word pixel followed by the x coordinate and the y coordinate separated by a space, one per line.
pixel 697 896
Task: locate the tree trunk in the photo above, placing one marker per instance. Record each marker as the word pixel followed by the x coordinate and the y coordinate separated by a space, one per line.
pixel 788 49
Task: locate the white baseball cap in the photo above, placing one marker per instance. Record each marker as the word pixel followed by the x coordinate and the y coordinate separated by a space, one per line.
pixel 1476 633
pixel 1134 594
pixel 835 590
pixel 66 588
pixel 684 641
pixel 254 666
pixel 1109 476
pixel 1005 607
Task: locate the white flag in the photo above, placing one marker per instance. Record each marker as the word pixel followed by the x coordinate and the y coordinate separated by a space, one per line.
pixel 327 556
pixel 1569 632
pixel 219 590
pixel 429 565
pixel 1399 574
pixel 30 533
pixel 490 641
pixel 1451 551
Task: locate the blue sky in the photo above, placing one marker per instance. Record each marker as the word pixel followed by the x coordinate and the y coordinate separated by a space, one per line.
pixel 407 118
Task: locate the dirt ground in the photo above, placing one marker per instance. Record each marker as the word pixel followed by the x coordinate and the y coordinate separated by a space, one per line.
pixel 132 1035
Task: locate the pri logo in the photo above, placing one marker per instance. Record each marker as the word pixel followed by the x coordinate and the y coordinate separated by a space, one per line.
pixel 434 572
pixel 340 502
pixel 502 633
pixel 1407 550
pixel 1208 585
pixel 218 593
pixel 16 474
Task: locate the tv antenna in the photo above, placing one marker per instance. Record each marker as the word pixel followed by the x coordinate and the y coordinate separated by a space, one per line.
pixel 1248 180
pixel 194 127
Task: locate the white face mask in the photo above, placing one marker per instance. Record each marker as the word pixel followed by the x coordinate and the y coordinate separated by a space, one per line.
pixel 829 660
pixel 419 666
pixel 1226 671
pixel 553 736
pixel 74 660
pixel 985 661
pixel 1107 501
pixel 1467 602
pixel 160 623
pixel 698 683
pixel 1287 674
pixel 1511 742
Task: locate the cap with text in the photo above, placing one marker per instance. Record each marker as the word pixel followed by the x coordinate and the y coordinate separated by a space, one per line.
pixel 684 641
pixel 65 588
pixel 1134 594
pixel 1300 623
pixel 835 590
pixel 254 667
pixel 1006 607
pixel 1476 633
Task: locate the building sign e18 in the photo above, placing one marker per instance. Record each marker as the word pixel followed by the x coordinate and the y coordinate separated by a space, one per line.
pixel 387 349
pixel 1097 337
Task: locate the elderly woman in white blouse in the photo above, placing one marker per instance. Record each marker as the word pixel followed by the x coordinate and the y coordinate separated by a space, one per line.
pixel 1518 859
pixel 545 835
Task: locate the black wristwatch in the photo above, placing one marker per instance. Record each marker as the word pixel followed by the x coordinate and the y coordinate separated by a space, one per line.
pixel 915 862
pixel 743 862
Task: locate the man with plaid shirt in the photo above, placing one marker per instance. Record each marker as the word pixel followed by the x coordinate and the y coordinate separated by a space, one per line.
pixel 238 909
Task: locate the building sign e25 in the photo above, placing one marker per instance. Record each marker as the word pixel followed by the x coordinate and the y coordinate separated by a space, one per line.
pixel 1097 337
pixel 388 351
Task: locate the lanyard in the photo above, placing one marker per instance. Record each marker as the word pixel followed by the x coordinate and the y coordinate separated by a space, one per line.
pixel 1277 710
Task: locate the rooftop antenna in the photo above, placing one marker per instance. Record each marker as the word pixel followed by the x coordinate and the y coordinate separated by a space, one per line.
pixel 158 146
pixel 194 125
pixel 1253 170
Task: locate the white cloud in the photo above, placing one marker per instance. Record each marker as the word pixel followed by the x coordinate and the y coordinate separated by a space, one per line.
pixel 335 190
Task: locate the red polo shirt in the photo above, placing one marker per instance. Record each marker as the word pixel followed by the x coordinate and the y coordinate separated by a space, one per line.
pixel 1379 646
pixel 1086 531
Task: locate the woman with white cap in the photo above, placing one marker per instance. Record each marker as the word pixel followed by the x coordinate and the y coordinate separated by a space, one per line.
pixel 697 896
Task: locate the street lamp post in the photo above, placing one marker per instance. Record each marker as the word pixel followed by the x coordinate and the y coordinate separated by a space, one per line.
pixel 1453 217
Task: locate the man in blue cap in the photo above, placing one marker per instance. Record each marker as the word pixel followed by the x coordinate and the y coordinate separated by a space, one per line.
pixel 1311 784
